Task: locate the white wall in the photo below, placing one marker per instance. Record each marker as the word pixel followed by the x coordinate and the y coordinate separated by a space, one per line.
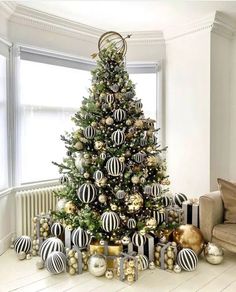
pixel 220 156
pixel 188 112
pixel 232 131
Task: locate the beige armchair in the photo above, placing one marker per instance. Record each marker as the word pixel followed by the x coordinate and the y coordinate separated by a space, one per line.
pixel 212 222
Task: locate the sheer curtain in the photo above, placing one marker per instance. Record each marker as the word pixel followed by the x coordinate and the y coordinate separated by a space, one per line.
pixel 3 125
pixel 49 97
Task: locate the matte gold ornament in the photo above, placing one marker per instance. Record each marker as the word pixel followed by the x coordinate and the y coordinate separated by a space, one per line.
pixel 86 175
pixel 40 264
pixel 70 207
pixel 138 124
pixel 98 145
pixel 122 159
pixel 151 161
pixel 72 271
pixel 135 179
pixel 213 253
pixel 93 124
pixel 109 121
pixel 135 202
pixel 102 199
pixel 79 145
pixel 130 278
pixel 113 207
pixel 128 122
pixel 109 274
pixel 151 223
pixel 189 236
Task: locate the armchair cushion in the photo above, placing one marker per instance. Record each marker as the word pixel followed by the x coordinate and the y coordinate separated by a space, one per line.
pixel 225 232
pixel 228 193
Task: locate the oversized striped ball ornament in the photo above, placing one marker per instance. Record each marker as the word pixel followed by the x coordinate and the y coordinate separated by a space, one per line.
pixel 57 229
pixel 87 193
pixel 49 245
pixel 56 262
pixel 118 137
pixel 139 157
pixel 156 190
pixel 80 237
pixel 89 132
pixel 179 198
pixel 148 190
pixel 120 194
pixel 142 262
pixel 98 175
pixel 159 216
pixel 110 98
pixel 114 166
pixel 110 221
pixel 131 224
pixel 138 239
pixel 166 201
pixel 187 259
pixel 119 115
pixel 23 243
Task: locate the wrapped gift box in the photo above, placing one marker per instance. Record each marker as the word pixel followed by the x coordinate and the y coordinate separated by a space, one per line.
pixel 191 212
pixel 165 255
pixel 174 215
pixel 126 271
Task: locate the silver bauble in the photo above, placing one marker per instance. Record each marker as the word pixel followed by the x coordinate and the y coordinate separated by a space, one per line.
pixel 213 253
pixel 97 265
pixel 177 269
pixel 61 204
pixel 40 264
pixel 151 266
pixel 21 255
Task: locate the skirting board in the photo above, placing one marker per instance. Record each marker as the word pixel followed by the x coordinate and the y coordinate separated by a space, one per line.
pixel 5 242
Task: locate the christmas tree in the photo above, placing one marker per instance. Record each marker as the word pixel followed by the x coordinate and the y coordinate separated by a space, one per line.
pixel 114 174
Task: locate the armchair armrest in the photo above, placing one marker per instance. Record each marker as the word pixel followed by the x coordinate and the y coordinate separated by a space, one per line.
pixel 211 213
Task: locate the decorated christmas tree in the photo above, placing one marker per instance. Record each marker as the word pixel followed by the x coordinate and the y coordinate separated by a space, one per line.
pixel 114 172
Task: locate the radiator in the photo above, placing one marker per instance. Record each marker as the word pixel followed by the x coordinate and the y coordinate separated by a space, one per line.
pixel 30 203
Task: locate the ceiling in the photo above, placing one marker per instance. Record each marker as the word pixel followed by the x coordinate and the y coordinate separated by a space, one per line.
pixel 132 15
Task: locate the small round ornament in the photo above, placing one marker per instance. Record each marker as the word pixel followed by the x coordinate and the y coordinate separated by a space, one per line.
pixel 61 204
pixel 89 132
pixel 70 207
pixel 120 194
pixel 109 121
pixel 177 268
pixel 109 274
pixel 97 265
pixel 98 145
pixel 187 259
pixel 143 262
pixel 87 193
pixel 213 253
pixel 103 156
pixel 131 224
pixel 119 115
pixel 114 166
pixel 98 175
pixel 134 203
pixel 151 223
pixel 151 266
pixel 110 221
pixel 102 199
pixel 80 237
pixel 23 243
pixel 56 262
pixel 21 255
pixel 138 239
pixel 49 245
pixel 179 198
pixel 118 137
pixel 125 240
pixel 40 264
pixel 57 229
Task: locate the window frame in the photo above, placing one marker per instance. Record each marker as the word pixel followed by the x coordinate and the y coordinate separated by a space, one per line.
pixel 19 51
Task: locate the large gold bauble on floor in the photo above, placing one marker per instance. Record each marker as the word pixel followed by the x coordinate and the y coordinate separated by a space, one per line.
pixel 189 236
pixel 113 250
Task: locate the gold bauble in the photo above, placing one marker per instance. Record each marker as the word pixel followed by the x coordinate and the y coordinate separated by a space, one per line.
pixel 109 121
pixel 138 124
pixel 102 182
pixel 128 122
pixel 189 236
pixel 94 124
pixel 122 159
pixel 102 199
pixel 72 271
pixel 79 146
pixel 113 207
pixel 151 223
pixel 103 121
pixel 130 278
pixel 151 161
pixel 86 175
pixel 70 207
pixel 135 202
pixel 135 179
pixel 98 145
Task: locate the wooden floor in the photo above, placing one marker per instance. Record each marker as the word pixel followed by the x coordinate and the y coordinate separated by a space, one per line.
pixel 23 276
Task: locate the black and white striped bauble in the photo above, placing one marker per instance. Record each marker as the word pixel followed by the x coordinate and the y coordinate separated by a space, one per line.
pixel 159 216
pixel 139 104
pixel 89 132
pixel 118 137
pixel 64 179
pixel 138 239
pixel 56 262
pixel 120 194
pixel 87 193
pixel 119 115
pixel 153 139
pixel 57 229
pixel 143 141
pixel 187 259
pixel 147 190
pixel 110 221
pixel 131 224
pixel 166 201
pixel 103 156
pixel 156 190
pixel 179 198
pixel 143 262
pixel 98 175
pixel 114 166
pixel 110 98
pixel 23 243
pixel 49 245
pixel 139 157
pixel 80 237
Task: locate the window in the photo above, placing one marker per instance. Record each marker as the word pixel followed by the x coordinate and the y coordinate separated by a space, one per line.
pixel 3 125
pixel 49 96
